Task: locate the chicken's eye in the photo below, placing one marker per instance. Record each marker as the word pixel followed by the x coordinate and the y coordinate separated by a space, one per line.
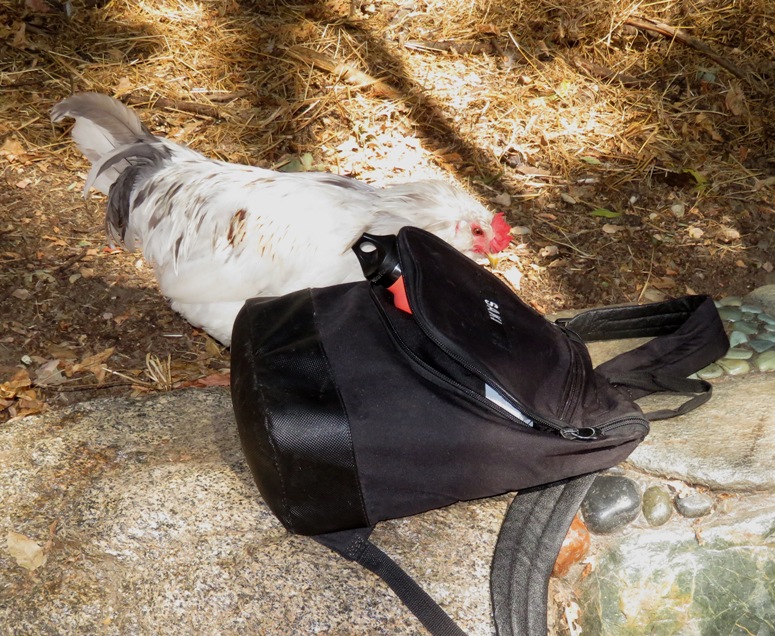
pixel 477 231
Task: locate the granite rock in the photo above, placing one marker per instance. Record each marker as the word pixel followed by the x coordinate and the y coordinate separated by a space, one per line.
pixel 159 529
pixel 764 297
pixel 727 444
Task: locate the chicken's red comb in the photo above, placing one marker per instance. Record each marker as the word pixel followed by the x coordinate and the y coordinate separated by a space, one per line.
pixel 502 233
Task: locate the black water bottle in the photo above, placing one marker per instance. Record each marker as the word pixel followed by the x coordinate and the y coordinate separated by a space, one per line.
pixel 378 256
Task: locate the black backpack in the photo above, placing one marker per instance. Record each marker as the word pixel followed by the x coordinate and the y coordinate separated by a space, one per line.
pixel 352 411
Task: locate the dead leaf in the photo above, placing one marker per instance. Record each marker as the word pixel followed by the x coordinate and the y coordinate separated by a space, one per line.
pixel 39 6
pixel 764 183
pixel 20 381
pixel 62 352
pixel 95 364
pixel 48 374
pixel 728 234
pixel 533 171
pixel 653 295
pixel 13 149
pixel 612 229
pixel 488 29
pixel 704 122
pixel 664 283
pixel 23 184
pixel 695 232
pixel 124 85
pixel 20 35
pixel 214 379
pixel 503 199
pixel 735 99
pixel 21 294
pixel 25 551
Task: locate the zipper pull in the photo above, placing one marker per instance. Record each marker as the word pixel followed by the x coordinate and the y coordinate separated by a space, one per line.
pixel 585 433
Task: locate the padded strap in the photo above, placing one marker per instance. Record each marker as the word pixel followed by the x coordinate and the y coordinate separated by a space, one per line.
pixel 687 336
pixel 354 545
pixel 636 321
pixel 528 544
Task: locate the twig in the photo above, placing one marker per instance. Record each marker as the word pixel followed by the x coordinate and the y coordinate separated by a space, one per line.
pixel 195 108
pixel 88 387
pixel 648 276
pixel 681 36
pixel 598 70
pixel 349 73
pixel 71 261
pixel 450 46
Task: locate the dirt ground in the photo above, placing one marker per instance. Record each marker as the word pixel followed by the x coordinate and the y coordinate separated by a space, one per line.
pixel 634 161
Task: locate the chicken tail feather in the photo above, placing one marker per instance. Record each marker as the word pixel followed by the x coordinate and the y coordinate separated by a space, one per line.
pixel 102 125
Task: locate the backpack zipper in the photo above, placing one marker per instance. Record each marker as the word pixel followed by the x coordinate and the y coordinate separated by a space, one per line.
pixel 568 432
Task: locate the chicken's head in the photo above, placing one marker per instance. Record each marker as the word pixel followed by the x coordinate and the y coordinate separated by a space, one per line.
pixel 488 240
pixel 446 211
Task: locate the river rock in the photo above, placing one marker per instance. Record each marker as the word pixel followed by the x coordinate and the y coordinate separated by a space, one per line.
pixel 657 507
pixel 760 345
pixel 729 312
pixel 693 506
pixel 737 338
pixel 735 366
pixel 611 503
pixel 766 361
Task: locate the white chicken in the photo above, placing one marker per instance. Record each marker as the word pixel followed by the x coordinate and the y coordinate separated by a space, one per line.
pixel 217 233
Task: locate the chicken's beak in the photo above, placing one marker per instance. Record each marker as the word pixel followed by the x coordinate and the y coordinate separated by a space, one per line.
pixel 494 260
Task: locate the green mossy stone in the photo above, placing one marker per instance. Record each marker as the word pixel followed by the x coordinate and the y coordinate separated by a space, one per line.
pixel 657 506
pixel 738 354
pixel 711 372
pixel 765 361
pixel 735 367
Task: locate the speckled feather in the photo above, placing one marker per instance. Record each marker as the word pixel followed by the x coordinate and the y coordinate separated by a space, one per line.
pixel 219 233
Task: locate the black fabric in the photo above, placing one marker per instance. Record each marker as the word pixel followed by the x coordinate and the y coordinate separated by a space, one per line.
pixel 691 336
pixel 292 422
pixel 351 411
pixel 636 383
pixel 528 544
pixel 487 328
pixel 421 442
pixel 355 546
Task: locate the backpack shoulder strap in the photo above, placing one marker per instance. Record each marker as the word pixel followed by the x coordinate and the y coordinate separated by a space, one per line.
pixel 687 335
pixel 528 544
pixel 354 545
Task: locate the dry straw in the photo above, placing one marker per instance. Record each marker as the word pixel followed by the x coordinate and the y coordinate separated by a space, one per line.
pixel 587 103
